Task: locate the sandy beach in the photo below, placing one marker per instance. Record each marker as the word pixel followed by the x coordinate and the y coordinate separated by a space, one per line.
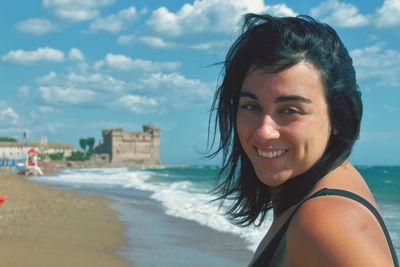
pixel 45 226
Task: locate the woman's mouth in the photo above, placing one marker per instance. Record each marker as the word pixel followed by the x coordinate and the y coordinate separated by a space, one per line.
pixel 270 154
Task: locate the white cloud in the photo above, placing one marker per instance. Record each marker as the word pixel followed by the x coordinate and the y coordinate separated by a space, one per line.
pixel 114 23
pixel 81 67
pixel 157 42
pixel 93 81
pixel 23 91
pixel 389 14
pixel 46 109
pixel 43 54
pixel 135 104
pixel 56 94
pixel 48 78
pixel 76 55
pixel 374 63
pixel 36 26
pixel 163 21
pixel 339 14
pixel 96 81
pixel 99 65
pixel 126 39
pixel 125 63
pixel 204 16
pixel 76 10
pixel 281 10
pixel 373 38
pixel 177 86
pixel 8 115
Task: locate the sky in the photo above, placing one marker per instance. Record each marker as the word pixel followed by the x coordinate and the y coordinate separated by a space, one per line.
pixel 70 68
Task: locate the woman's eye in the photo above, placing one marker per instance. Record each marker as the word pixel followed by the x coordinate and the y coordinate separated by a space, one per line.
pixel 290 111
pixel 250 107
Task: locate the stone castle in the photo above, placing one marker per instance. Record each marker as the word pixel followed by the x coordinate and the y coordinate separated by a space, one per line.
pixel 131 148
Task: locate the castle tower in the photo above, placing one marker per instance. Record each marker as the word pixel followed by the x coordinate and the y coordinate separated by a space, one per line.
pixel 131 148
pixel 155 141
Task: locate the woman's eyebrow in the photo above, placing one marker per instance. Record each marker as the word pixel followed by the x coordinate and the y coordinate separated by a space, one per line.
pixel 291 98
pixel 248 94
pixel 280 99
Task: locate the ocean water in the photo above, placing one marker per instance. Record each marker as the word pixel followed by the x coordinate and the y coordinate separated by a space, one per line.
pixel 184 192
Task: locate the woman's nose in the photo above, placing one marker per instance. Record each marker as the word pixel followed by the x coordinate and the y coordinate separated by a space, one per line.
pixel 267 128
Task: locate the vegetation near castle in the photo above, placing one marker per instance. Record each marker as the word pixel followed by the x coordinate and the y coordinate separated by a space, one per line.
pixel 7 139
pixel 57 156
pixel 83 143
pixel 90 142
pixel 77 156
pixel 87 144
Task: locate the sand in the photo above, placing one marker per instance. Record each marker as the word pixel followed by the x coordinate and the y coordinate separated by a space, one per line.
pixel 45 226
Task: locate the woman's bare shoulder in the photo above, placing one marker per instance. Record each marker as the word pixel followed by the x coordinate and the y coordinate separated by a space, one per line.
pixel 336 231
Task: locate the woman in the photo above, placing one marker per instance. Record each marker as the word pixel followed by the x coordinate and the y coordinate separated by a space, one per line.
pixel 289 111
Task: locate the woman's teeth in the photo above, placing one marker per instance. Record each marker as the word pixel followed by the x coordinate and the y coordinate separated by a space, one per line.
pixel 270 154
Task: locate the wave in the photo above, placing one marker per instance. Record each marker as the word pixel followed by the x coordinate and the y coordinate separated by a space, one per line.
pixel 183 198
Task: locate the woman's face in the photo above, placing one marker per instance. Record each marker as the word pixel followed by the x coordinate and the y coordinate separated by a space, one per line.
pixel 282 122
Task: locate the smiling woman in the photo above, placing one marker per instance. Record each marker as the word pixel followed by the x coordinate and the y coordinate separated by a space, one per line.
pixel 289 111
pixel 283 122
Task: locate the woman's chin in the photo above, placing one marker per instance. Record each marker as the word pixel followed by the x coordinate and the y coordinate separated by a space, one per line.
pixel 273 180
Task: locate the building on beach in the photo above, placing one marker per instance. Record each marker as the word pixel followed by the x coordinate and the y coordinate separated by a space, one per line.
pixel 17 150
pixel 12 150
pixel 131 148
pixel 65 149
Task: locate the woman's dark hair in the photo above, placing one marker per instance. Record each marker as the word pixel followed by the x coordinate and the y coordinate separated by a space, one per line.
pixel 274 44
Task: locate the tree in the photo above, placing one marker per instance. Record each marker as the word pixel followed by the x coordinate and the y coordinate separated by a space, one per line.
pixel 83 143
pixel 57 156
pixel 90 142
pixel 77 156
pixel 7 139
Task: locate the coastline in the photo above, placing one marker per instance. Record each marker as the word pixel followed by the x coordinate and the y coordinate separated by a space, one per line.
pixel 153 236
pixel 52 167
pixel 41 225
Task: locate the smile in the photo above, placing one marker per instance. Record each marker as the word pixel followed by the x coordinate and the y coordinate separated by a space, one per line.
pixel 270 154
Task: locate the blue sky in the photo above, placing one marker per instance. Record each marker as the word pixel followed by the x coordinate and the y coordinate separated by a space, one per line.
pixel 69 68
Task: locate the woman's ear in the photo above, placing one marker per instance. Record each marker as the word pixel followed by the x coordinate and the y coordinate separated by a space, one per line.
pixel 334 131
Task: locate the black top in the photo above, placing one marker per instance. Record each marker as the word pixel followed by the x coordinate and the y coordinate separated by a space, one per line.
pixel 265 258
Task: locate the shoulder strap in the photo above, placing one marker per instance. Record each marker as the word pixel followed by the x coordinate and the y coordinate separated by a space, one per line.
pixel 266 256
pixel 268 253
pixel 368 205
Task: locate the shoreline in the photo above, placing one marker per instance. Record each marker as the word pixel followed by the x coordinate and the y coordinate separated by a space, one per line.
pixel 41 225
pixel 153 235
pixel 53 167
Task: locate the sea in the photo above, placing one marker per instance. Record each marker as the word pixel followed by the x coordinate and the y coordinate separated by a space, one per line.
pixel 172 220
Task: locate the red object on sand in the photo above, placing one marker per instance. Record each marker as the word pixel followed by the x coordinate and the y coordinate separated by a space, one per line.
pixel 2 199
pixel 32 151
pixel 30 162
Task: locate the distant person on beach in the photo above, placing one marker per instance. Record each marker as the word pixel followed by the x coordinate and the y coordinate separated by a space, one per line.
pixel 288 110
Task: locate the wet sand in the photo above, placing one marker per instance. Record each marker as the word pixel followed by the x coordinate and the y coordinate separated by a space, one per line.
pixel 45 226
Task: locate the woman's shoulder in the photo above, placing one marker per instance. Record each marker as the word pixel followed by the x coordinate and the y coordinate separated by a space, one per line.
pixel 336 231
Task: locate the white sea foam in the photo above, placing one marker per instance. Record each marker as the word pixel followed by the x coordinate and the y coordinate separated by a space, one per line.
pixel 180 199
pixel 184 199
pixel 180 202
pixel 95 177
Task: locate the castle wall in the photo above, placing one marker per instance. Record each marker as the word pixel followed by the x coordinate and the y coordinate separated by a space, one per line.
pixel 131 148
